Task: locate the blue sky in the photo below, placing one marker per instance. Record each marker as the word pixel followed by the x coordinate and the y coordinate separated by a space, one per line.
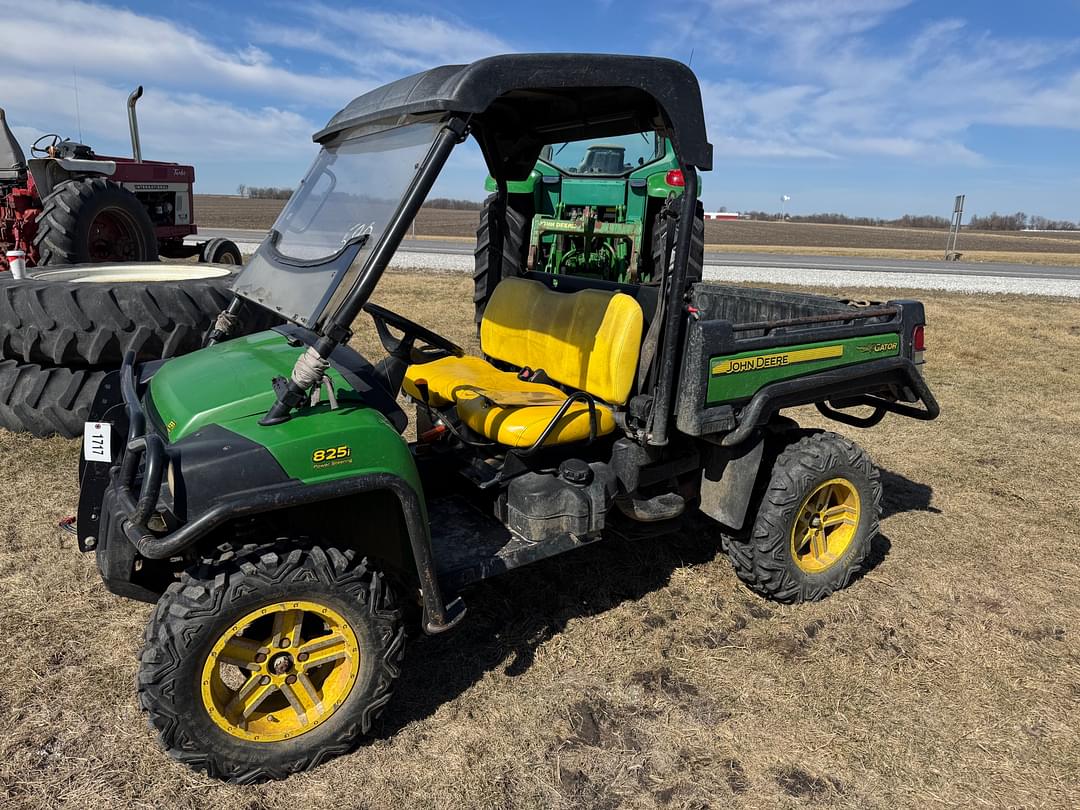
pixel 878 107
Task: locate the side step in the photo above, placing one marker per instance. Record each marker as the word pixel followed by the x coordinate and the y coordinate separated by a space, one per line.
pixel 665 506
pixel 470 544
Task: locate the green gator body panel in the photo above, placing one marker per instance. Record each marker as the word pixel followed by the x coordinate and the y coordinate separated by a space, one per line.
pixel 739 376
pixel 230 385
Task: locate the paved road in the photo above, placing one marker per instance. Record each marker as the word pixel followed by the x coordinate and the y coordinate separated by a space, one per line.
pixel 454 254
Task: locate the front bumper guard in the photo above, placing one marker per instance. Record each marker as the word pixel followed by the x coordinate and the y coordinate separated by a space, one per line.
pixel 133 511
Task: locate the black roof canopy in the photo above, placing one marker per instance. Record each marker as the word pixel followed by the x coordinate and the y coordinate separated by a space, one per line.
pixel 520 102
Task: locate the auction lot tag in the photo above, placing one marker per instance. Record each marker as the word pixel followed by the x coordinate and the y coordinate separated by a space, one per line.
pixel 97 441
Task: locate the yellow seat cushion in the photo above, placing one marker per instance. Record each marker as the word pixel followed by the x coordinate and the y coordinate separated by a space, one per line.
pixel 498 405
pixel 588 340
pixel 447 374
pixel 508 421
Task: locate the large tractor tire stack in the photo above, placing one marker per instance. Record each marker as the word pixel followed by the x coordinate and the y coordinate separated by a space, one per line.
pixel 62 329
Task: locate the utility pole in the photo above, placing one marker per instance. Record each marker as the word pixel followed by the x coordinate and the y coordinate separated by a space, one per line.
pixel 951 253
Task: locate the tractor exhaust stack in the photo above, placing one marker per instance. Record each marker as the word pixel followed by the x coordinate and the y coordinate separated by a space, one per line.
pixel 133 123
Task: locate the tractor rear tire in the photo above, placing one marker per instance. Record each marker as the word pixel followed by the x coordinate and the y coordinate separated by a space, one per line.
pixel 91 316
pixel 502 241
pixel 697 245
pixel 225 674
pixel 93 220
pixel 46 401
pixel 817 517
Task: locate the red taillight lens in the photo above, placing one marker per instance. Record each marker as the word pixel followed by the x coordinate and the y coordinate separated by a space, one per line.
pixel 918 339
pixel 675 178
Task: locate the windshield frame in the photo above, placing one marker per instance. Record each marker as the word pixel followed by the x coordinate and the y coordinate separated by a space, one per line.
pixel 269 267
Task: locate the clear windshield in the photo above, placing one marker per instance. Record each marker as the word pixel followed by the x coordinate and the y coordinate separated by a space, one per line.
pixel 333 221
pixel 350 192
pixel 607 156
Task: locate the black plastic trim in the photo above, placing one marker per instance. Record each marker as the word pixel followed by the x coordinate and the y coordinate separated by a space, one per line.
pixel 835 383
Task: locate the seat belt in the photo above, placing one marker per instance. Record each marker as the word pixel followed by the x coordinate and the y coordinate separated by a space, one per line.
pixel 652 335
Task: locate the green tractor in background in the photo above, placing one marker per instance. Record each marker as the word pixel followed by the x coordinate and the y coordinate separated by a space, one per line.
pixel 589 208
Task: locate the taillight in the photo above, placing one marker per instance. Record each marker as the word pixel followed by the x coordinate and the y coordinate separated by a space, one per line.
pixel 675 178
pixel 918 343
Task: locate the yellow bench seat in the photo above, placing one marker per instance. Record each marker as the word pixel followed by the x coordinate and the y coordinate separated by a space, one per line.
pixel 587 341
pixel 498 405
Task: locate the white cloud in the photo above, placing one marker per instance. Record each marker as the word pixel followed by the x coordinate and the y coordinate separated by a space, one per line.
pixel 241 109
pixel 830 85
pixel 377 41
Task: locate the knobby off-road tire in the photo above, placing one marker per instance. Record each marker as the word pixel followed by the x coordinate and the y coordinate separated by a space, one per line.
pixel 85 317
pixel 210 602
pixel 65 232
pixel 46 401
pixel 502 243
pixel 772 560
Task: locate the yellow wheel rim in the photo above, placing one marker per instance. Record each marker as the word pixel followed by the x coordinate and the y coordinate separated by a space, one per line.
pixel 280 671
pixel 825 525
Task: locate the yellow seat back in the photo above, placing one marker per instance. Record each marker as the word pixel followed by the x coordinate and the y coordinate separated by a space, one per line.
pixel 588 340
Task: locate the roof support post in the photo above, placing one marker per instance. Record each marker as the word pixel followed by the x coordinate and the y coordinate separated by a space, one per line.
pixel 676 311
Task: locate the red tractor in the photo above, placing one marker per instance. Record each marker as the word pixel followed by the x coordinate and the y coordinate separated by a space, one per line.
pixel 67 205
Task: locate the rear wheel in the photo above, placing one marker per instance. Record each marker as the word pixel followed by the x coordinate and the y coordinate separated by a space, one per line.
pixel 658 240
pixel 270 662
pixel 502 241
pixel 94 220
pixel 221 251
pixel 815 523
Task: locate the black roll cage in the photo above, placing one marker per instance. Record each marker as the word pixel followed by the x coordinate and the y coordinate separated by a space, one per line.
pixel 513 105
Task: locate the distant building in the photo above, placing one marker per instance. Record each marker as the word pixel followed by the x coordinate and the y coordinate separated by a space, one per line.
pixel 722 215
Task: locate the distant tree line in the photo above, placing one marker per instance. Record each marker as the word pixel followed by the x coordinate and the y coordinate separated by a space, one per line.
pixel 1018 222
pixel 264 192
pixel 453 205
pixel 275 193
pixel 993 222
pixel 906 221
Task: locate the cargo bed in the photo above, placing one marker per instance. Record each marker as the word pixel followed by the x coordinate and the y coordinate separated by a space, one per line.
pixel 750 352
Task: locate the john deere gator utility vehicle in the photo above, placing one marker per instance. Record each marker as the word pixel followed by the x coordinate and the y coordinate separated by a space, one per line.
pixel 261 492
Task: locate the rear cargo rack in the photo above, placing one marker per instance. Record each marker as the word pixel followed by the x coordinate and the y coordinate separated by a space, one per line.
pixel 768 326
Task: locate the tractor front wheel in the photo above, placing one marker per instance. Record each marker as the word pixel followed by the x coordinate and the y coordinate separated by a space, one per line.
pixel 271 661
pixel 94 220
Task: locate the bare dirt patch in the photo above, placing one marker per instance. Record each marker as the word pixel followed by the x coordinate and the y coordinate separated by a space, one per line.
pixel 642 674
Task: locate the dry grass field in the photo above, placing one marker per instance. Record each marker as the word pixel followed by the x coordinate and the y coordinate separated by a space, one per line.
pixel 644 674
pixel 739 236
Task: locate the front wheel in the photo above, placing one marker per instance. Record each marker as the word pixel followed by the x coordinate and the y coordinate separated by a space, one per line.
pixel 271 661
pixel 816 520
